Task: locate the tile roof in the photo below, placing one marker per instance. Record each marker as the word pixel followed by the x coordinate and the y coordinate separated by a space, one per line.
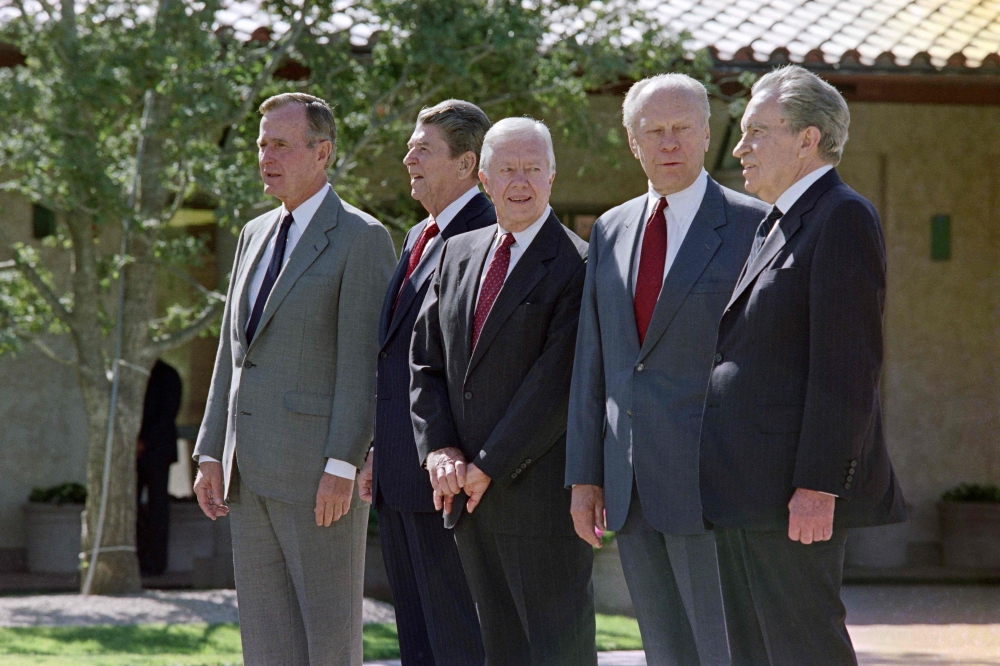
pixel 884 34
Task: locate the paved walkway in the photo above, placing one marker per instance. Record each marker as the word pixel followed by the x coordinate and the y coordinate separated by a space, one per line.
pixel 891 625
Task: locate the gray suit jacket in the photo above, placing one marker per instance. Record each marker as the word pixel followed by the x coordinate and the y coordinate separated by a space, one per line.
pixel 636 411
pixel 304 389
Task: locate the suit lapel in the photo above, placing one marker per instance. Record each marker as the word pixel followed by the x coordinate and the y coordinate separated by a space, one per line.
pixel 624 250
pixel 311 244
pixel 699 246
pixel 390 318
pixel 530 269
pixel 787 226
pixel 464 309
pixel 245 277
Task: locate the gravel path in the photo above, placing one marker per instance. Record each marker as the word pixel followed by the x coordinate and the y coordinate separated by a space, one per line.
pixel 72 610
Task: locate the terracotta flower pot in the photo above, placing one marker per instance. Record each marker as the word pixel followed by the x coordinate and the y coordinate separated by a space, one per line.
pixel 970 534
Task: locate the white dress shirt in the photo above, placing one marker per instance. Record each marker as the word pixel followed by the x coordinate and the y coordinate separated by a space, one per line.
pixel 301 217
pixel 446 216
pixel 797 189
pixel 681 209
pixel 522 239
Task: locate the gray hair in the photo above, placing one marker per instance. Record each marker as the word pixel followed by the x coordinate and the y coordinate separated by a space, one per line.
pixel 321 125
pixel 809 101
pixel 463 124
pixel 509 127
pixel 631 106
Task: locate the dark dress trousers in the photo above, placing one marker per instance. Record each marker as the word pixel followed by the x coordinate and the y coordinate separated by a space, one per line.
pixel 793 402
pixel 505 407
pixel 159 435
pixel 435 615
pixel 635 415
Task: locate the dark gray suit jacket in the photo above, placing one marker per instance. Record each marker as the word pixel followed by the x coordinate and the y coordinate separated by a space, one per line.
pixel 637 410
pixel 793 401
pixel 505 405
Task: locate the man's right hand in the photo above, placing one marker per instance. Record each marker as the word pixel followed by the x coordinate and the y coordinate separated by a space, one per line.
pixel 587 509
pixel 365 478
pixel 447 470
pixel 209 488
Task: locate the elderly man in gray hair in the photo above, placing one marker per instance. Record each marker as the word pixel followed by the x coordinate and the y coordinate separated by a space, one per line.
pixel 660 270
pixel 491 359
pixel 792 450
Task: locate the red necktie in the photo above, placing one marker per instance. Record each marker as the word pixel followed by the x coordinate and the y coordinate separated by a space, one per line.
pixel 495 277
pixel 429 232
pixel 652 259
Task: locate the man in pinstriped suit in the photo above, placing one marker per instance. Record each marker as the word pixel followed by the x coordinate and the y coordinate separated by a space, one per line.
pixel 435 614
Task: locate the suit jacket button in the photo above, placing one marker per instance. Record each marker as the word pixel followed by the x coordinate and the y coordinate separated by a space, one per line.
pixel 468 395
pixel 847 486
pixel 854 463
pixel 248 364
pixel 718 358
pixel 383 355
pixel 640 367
pixel 527 461
pixel 514 475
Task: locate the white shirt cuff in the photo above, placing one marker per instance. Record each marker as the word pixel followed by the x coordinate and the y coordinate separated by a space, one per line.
pixel 344 470
pixel 202 459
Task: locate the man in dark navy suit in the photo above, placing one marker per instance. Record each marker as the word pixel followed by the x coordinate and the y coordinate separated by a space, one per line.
pixel 435 613
pixel 792 450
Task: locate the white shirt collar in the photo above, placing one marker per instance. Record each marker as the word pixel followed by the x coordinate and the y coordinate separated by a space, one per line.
pixel 302 215
pixel 452 209
pixel 683 205
pixel 522 239
pixel 799 187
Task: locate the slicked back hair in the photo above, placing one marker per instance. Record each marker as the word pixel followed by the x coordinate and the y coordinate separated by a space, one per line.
pixel 463 124
pixel 808 101
pixel 673 81
pixel 321 125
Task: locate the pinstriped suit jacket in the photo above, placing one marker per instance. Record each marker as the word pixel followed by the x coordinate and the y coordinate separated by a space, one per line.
pixel 397 472
pixel 304 389
pixel 793 401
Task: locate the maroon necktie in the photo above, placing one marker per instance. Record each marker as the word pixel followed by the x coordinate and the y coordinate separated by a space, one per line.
pixel 495 277
pixel 652 259
pixel 429 232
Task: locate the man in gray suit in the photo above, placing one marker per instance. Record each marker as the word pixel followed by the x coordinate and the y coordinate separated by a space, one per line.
pixel 292 399
pixel 660 271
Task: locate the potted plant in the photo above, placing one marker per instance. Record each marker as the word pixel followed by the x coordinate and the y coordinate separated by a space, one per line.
pixel 52 524
pixel 970 526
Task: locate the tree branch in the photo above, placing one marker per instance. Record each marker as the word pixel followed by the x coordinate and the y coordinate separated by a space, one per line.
pixel 51 353
pixel 35 278
pixel 170 340
pixel 281 49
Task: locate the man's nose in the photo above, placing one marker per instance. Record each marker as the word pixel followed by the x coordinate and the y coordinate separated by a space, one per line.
pixel 409 158
pixel 669 142
pixel 741 148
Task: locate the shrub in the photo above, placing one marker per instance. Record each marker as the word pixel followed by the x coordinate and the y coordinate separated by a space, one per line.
pixel 66 493
pixel 973 492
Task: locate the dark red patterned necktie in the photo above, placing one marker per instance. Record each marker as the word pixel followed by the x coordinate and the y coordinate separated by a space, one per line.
pixel 652 259
pixel 428 232
pixel 495 277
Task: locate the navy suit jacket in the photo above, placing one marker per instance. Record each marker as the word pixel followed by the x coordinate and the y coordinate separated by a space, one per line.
pixel 793 400
pixel 635 410
pixel 397 472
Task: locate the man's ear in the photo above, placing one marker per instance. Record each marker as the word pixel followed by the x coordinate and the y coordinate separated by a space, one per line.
pixel 810 139
pixel 467 164
pixel 486 182
pixel 633 146
pixel 325 147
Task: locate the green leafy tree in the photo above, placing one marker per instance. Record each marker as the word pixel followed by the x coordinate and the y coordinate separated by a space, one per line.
pixel 124 110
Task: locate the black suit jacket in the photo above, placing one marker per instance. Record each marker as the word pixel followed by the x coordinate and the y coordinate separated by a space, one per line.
pixel 793 400
pixel 159 416
pixel 505 405
pixel 397 473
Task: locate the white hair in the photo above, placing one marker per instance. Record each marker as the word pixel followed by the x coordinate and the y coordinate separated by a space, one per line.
pixel 510 127
pixel 809 101
pixel 631 105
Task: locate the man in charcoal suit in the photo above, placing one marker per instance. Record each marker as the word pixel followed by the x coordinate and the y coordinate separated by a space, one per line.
pixel 661 268
pixel 435 615
pixel 792 450
pixel 491 360
pixel 292 399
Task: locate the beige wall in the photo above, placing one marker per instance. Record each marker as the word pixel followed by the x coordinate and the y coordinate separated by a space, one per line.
pixel 941 388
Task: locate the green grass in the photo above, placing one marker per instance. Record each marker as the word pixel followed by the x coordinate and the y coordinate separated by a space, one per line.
pixel 204 644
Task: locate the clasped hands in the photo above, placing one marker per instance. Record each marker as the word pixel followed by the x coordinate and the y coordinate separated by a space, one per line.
pixel 450 474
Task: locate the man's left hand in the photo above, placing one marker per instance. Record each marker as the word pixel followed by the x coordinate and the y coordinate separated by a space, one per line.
pixel 810 516
pixel 333 499
pixel 476 483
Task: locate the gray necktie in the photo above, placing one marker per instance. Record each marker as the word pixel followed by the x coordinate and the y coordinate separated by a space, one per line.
pixel 762 232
